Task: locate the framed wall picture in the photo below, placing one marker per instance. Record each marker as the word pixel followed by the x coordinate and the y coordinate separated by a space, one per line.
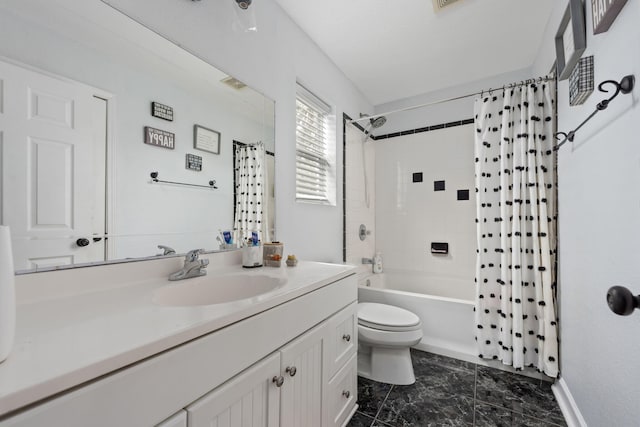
pixel 571 39
pixel 604 12
pixel 206 139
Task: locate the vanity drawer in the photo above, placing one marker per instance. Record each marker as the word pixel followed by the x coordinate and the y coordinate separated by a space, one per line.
pixel 343 338
pixel 341 394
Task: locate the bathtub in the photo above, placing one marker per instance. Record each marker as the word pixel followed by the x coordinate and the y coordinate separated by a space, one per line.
pixel 445 306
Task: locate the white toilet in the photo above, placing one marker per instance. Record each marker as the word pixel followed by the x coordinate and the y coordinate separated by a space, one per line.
pixel 385 334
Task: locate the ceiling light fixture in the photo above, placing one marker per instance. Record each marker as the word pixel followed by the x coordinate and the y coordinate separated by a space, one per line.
pixel 440 4
pixel 244 4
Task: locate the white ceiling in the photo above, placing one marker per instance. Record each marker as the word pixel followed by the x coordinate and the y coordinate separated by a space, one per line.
pixel 394 49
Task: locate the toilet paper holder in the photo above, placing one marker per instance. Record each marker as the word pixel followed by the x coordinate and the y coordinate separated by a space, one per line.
pixel 439 248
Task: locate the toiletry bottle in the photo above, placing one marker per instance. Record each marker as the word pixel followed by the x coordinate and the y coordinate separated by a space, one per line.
pixel 377 263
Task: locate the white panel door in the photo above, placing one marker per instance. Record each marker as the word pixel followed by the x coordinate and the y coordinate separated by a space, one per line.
pixel 301 404
pixel 250 399
pixel 53 144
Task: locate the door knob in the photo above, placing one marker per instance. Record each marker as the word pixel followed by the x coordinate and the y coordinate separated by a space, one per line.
pixel 621 301
pixel 278 380
pixel 346 337
pixel 82 242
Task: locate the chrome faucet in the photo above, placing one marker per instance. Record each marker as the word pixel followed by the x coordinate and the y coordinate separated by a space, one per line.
pixel 193 266
pixel 167 250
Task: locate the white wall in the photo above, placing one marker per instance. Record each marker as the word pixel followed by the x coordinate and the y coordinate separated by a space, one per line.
pixel 445 112
pixel 356 210
pixel 599 227
pixel 410 215
pixel 270 60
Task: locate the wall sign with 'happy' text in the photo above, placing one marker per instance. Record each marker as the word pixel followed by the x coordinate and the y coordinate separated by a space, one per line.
pixel 604 12
pixel 159 138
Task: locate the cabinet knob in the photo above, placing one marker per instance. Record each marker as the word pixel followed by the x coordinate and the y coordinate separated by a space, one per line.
pixel 278 380
pixel 346 393
pixel 346 337
pixel 291 370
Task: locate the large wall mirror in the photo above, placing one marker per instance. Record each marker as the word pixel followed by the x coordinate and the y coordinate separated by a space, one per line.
pixel 79 139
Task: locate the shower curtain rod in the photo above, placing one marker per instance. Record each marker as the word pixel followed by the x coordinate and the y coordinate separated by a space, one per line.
pixel 546 78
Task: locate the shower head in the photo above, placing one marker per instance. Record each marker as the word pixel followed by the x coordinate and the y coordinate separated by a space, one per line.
pixel 378 122
pixel 375 122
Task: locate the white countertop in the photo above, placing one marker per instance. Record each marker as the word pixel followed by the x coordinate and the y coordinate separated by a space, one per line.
pixel 64 341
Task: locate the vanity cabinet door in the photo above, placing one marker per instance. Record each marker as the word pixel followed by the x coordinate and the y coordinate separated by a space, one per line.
pixel 250 399
pixel 301 399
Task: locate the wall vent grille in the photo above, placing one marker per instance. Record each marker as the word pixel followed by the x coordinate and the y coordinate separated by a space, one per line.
pixel 440 4
pixel 233 82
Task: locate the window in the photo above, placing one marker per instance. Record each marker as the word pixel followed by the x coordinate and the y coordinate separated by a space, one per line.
pixel 315 149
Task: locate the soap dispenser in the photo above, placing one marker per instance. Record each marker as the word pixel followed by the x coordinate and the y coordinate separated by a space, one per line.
pixel 377 263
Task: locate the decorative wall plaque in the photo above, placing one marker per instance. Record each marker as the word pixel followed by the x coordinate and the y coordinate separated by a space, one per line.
pixel 604 12
pixel 162 111
pixel 206 139
pixel 193 162
pixel 581 81
pixel 159 138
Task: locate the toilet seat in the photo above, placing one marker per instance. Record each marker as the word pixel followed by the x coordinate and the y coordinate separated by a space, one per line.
pixel 387 318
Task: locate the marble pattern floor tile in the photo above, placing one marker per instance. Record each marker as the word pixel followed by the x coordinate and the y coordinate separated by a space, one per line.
pixel 371 395
pixel 360 420
pixel 451 392
pixel 419 406
pixel 494 416
pixel 517 393
pixel 442 377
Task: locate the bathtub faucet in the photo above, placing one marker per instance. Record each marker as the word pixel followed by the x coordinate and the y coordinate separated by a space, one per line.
pixel 367 260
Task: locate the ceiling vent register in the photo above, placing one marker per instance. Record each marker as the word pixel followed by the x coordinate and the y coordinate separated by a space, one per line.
pixel 441 4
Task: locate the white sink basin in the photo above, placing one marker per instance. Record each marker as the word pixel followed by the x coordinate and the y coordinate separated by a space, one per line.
pixel 210 290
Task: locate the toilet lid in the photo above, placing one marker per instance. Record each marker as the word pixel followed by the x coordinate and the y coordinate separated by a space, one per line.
pixel 386 317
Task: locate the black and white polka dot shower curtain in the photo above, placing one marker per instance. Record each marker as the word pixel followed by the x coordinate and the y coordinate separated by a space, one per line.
pixel 249 172
pixel 516 317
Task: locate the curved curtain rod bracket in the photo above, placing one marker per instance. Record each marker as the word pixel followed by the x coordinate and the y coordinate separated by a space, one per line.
pixel 625 87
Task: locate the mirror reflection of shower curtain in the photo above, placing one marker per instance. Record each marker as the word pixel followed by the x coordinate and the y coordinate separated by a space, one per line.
pixel 516 317
pixel 250 173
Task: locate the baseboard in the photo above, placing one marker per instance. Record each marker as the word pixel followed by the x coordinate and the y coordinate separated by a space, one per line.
pixel 568 406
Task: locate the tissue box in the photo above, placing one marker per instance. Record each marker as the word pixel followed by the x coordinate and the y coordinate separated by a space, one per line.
pixel 272 254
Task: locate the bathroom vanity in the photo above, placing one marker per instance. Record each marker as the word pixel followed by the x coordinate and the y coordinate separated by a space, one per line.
pixel 107 347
